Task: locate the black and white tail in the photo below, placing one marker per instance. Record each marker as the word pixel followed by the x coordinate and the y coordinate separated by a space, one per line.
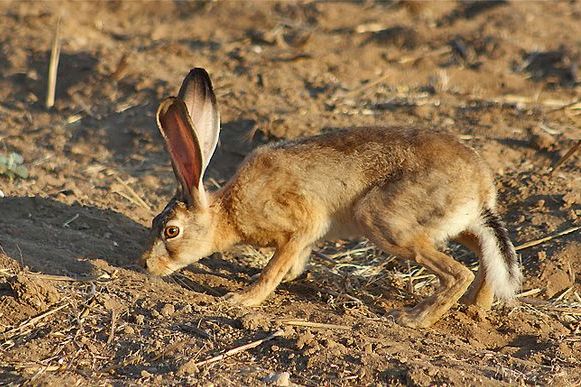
pixel 498 255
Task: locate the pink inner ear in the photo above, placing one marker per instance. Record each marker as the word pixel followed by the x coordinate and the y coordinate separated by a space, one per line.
pixel 182 145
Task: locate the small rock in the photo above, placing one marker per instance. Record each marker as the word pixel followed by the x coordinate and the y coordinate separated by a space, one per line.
pixel 128 330
pixel 145 374
pixel 306 339
pixel 432 371
pixel 187 368
pixel 254 320
pixel 33 291
pixel 368 348
pixel 187 309
pixel 571 199
pixel 168 310
pixel 476 313
pixel 541 139
pixel 139 319
pixel 155 314
pixel 278 379
pixel 331 344
pixel 150 181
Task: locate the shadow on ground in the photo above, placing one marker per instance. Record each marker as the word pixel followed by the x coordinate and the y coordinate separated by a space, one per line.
pixel 54 238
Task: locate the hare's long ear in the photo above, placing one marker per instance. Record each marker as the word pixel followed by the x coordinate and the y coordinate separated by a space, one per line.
pixel 183 146
pixel 198 95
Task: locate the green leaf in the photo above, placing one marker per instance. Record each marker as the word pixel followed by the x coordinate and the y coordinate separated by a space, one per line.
pixel 21 171
pixel 16 158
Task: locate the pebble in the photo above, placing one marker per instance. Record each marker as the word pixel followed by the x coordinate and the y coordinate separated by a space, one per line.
pixel 571 198
pixel 368 348
pixel 187 309
pixel 139 319
pixel 278 379
pixel 150 181
pixel 168 310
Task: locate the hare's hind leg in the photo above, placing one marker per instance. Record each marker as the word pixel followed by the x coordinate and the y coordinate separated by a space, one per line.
pixel 454 280
pixel 393 234
pixel 480 293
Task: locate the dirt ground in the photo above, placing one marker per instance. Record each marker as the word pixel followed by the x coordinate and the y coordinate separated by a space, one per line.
pixel 74 307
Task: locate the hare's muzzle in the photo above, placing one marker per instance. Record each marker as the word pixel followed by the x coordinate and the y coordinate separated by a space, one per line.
pixel 156 260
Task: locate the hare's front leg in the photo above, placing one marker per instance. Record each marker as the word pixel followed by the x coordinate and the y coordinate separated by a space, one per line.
pixel 288 260
pixel 298 266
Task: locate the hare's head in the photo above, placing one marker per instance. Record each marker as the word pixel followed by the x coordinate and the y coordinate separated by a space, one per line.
pixel 190 125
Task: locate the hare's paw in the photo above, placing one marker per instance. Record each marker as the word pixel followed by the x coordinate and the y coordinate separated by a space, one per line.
pixel 412 318
pixel 245 298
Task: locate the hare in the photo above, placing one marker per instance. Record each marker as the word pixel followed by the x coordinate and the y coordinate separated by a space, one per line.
pixel 407 190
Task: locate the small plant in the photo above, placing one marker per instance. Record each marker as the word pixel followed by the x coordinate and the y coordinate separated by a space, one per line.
pixel 12 166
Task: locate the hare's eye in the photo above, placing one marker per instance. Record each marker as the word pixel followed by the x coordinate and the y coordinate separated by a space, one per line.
pixel 171 232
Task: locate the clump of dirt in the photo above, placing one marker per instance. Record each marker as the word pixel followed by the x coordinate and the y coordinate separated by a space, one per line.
pixel 559 273
pixel 33 291
pixel 542 140
pixel 23 293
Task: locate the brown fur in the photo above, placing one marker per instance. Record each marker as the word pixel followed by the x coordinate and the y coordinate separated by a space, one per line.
pixel 407 190
pixel 394 186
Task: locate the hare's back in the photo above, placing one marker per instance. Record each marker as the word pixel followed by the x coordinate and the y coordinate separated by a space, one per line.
pixel 346 162
pixel 377 152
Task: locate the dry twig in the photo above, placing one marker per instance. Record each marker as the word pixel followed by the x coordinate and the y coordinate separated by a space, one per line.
pixel 134 197
pixel 528 293
pixel 436 52
pixel 53 65
pixel 546 239
pixel 113 326
pixel 121 68
pixel 567 155
pixel 236 350
pixel 565 106
pixel 310 324
pixel 71 220
pixel 33 320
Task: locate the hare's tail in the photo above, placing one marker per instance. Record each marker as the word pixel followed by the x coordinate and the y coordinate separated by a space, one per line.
pixel 499 257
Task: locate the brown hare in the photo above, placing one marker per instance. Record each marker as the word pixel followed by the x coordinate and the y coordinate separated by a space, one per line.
pixel 406 190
